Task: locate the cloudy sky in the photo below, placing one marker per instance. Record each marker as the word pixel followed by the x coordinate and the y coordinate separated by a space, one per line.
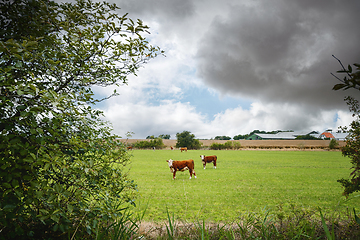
pixel 233 66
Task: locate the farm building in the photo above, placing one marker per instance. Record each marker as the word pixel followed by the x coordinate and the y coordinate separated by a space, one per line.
pixel 293 135
pixel 336 136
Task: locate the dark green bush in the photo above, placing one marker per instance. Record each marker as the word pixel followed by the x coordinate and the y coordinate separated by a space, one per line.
pixel 227 145
pixel 153 143
pixel 333 144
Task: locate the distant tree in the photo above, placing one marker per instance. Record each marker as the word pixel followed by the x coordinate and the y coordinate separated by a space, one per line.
pixel 186 139
pixel 238 137
pixel 222 138
pixel 351 149
pixel 164 136
pixel 307 137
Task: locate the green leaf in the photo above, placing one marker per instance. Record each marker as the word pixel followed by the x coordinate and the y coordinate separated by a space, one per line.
pixel 9 207
pixel 357 219
pixel 6 185
pixel 338 86
pixel 56 218
pixel 20 92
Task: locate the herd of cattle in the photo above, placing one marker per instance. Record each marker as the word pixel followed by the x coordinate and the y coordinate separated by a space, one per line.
pixel 184 165
pixel 189 165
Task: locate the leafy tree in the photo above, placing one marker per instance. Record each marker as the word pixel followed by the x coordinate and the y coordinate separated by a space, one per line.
pixel 351 149
pixel 238 137
pixel 222 138
pixel 186 139
pixel 164 136
pixel 61 168
pixel 307 137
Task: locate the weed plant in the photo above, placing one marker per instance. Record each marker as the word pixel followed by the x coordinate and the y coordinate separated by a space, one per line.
pixel 266 225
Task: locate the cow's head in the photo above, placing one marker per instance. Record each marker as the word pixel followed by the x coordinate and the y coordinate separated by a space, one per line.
pixel 170 162
pixel 202 157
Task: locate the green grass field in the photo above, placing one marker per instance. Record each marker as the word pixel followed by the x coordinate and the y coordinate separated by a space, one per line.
pixel 244 182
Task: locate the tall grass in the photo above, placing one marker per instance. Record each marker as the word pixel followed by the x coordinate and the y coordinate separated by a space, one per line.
pixel 264 225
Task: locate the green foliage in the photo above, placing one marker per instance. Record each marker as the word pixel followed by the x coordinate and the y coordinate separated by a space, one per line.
pixel 162 136
pixel 61 168
pixel 306 137
pixel 357 219
pixel 227 145
pixel 333 144
pixel 263 224
pixel 350 80
pixel 222 138
pixel 217 146
pixel 351 149
pixel 153 143
pixel 238 137
pixel 329 235
pixel 186 139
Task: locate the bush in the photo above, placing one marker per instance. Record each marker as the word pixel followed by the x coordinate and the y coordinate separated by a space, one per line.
pixel 333 144
pixel 227 145
pixel 157 143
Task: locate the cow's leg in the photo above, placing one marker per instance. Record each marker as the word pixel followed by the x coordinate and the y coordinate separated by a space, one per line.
pixel 174 173
pixel 192 171
pixel 204 164
pixel 214 164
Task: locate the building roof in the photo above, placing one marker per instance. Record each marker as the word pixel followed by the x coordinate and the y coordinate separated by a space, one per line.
pixel 293 135
pixel 327 135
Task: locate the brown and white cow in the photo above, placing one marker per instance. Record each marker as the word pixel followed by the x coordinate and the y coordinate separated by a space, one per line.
pixel 208 159
pixel 181 166
pixel 183 149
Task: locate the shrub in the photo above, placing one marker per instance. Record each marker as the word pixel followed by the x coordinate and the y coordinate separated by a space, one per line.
pixel 333 144
pixel 227 145
pixel 157 143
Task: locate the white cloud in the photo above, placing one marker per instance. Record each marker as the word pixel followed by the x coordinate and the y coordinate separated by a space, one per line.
pixel 171 117
pixel 276 54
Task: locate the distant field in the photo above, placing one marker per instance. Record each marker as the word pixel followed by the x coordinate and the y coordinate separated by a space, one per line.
pixel 245 181
pixel 256 144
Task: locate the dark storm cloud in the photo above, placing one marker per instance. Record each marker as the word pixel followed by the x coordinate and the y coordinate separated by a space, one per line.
pixel 280 51
pixel 165 10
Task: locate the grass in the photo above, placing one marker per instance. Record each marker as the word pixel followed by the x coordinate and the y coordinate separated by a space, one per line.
pixel 244 181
